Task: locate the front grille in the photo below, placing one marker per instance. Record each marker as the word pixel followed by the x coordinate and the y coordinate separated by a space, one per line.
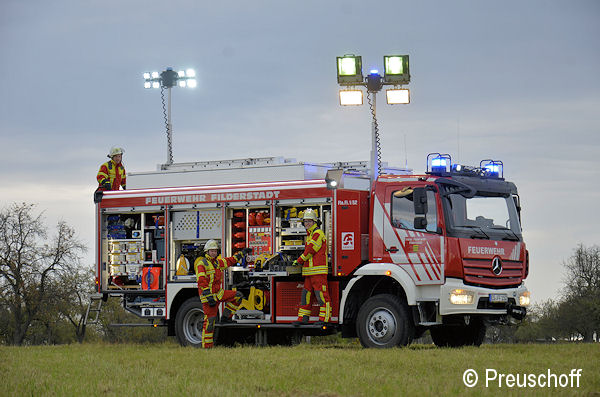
pixel 479 272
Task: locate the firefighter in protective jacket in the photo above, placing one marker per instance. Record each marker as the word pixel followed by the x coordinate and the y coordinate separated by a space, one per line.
pixel 314 270
pixel 111 175
pixel 209 273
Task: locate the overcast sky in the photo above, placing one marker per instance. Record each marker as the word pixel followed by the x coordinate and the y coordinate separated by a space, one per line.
pixel 516 81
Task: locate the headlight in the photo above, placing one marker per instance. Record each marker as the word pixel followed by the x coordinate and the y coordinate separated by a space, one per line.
pixel 524 299
pixel 461 297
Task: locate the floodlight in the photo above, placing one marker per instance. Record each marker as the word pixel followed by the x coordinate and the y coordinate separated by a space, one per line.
pixel 155 75
pixel 147 84
pixel 349 70
pixel 190 73
pixel 397 96
pixel 181 83
pixel 333 178
pixel 351 97
pixel 181 73
pixel 147 75
pixel 191 83
pixel 155 84
pixel 396 69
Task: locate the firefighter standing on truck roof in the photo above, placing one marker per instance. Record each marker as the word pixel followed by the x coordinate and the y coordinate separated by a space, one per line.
pixel 209 273
pixel 111 175
pixel 314 270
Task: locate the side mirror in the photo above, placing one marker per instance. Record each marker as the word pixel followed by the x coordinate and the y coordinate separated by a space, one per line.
pixel 420 222
pixel 420 200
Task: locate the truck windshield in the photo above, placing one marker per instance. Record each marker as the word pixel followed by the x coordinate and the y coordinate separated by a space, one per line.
pixel 483 216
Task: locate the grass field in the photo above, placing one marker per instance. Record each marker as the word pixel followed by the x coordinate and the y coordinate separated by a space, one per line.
pixel 303 370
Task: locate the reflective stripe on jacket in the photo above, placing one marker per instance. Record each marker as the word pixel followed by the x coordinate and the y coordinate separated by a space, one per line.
pixel 314 257
pixel 113 174
pixel 209 274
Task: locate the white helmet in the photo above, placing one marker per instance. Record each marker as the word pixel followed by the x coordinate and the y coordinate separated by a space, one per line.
pixel 114 151
pixel 310 214
pixel 211 245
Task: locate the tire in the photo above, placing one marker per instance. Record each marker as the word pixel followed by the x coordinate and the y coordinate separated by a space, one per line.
pixel 472 334
pixel 383 321
pixel 188 323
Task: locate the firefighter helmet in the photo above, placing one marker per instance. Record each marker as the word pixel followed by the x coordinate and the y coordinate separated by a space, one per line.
pixel 211 245
pixel 114 151
pixel 309 214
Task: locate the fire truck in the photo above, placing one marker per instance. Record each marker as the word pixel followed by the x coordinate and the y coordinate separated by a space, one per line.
pixel 442 251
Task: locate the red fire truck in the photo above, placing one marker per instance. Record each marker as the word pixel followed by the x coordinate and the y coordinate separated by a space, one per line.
pixel 441 251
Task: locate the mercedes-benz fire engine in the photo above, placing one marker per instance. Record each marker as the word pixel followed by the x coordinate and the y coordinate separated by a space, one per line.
pixel 441 251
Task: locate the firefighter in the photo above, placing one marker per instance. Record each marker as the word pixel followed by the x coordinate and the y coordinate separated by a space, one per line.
pixel 314 270
pixel 209 273
pixel 111 175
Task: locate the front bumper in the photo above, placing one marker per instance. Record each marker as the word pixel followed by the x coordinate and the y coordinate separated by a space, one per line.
pixel 481 303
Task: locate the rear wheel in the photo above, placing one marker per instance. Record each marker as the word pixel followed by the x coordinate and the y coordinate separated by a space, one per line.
pixel 188 323
pixel 383 321
pixel 471 334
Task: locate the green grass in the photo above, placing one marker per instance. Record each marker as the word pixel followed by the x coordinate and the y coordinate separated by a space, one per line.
pixel 304 370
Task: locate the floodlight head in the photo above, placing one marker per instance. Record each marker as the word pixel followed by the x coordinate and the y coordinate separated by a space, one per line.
pixel 155 75
pixel 147 84
pixel 397 96
pixel 396 69
pixel 351 97
pixel 147 75
pixel 191 83
pixel 349 70
pixel 190 73
pixel 181 73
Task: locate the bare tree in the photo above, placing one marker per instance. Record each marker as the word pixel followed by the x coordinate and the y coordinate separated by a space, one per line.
pixel 30 263
pixel 581 304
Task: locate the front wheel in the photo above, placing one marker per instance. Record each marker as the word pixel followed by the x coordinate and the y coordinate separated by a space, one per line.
pixel 383 321
pixel 188 323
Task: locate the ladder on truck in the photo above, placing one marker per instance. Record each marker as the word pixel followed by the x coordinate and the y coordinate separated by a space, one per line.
pixel 95 306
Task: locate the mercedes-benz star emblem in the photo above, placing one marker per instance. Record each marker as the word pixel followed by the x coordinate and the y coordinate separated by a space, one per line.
pixel 497 266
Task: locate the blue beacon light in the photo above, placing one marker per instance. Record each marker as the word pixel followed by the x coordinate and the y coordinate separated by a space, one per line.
pixel 438 164
pixel 493 168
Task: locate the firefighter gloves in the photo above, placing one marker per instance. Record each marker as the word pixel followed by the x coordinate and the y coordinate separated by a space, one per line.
pixel 211 300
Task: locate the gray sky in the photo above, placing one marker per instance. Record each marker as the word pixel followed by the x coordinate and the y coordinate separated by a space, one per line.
pixel 514 80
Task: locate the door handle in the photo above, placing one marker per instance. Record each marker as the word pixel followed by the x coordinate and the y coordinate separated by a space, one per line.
pixel 393 250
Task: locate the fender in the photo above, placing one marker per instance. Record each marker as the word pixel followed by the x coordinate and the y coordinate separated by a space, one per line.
pixel 381 269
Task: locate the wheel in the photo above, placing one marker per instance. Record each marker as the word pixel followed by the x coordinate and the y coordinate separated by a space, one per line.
pixel 188 323
pixel 471 334
pixel 383 321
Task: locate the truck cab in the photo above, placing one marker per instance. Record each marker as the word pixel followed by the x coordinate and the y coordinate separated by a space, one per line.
pixel 451 245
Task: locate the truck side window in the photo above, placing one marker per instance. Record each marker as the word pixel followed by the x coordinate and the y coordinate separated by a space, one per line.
pixel 403 210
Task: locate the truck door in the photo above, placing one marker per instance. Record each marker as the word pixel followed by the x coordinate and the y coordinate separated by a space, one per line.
pixel 420 251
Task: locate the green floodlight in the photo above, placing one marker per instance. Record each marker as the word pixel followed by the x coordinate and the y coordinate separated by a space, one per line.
pixel 396 69
pixel 349 70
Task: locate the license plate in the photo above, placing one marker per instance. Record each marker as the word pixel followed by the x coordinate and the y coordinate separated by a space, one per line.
pixel 498 298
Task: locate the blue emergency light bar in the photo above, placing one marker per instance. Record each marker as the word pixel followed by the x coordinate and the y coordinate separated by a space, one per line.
pixel 441 164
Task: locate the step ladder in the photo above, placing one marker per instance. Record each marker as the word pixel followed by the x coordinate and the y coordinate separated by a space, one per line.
pixel 95 306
